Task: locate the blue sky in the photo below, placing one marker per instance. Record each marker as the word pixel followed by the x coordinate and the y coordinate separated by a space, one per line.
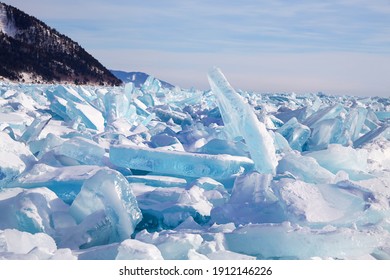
pixel 338 47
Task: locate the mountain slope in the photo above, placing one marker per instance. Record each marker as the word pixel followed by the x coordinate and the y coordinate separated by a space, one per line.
pixel 32 51
pixel 137 78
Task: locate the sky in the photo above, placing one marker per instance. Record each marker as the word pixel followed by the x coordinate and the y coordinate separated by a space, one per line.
pixel 335 46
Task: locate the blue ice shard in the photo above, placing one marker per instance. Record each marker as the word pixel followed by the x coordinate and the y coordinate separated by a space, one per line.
pixel 179 163
pixel 107 198
pixel 296 134
pixel 32 132
pixel 325 132
pixel 117 106
pixel 241 121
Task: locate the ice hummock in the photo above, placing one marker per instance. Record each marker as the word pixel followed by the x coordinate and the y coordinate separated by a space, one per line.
pixel 155 173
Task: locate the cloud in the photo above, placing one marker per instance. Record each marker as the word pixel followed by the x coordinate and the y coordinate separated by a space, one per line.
pixel 332 46
pixel 329 72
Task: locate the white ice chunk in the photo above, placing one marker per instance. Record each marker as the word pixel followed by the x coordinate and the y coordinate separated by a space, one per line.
pixel 304 168
pixel 330 204
pixel 337 157
pixel 132 249
pixel 34 210
pixel 172 245
pixel 65 181
pixel 179 163
pixel 240 120
pixel 108 191
pixel 18 242
pixel 275 241
pixel 15 157
pixel 214 191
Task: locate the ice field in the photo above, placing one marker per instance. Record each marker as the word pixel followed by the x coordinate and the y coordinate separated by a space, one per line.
pixel 154 173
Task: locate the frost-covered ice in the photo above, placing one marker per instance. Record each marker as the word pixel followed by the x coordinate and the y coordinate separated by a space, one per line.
pixel 157 173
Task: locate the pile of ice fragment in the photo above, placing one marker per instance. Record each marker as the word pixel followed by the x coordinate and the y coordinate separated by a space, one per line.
pixel 157 173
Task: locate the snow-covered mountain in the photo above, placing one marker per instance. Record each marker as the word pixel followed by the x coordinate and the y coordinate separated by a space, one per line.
pixel 137 78
pixel 31 51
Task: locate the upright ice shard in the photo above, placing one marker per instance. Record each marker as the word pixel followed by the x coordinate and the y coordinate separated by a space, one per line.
pixel 241 121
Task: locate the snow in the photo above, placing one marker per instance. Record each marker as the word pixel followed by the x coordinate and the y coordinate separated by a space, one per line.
pixel 6 26
pixel 168 173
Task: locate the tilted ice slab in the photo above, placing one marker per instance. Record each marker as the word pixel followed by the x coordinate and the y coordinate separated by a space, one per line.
pixel 80 150
pixel 68 104
pixel 107 195
pixel 179 163
pixel 382 131
pixel 240 121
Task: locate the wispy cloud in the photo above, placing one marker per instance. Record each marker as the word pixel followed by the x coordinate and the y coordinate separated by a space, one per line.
pixel 301 39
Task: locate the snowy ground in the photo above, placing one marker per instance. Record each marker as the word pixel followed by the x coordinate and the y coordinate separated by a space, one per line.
pixel 152 173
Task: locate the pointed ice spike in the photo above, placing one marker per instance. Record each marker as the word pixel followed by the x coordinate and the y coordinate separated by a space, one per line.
pixel 240 120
